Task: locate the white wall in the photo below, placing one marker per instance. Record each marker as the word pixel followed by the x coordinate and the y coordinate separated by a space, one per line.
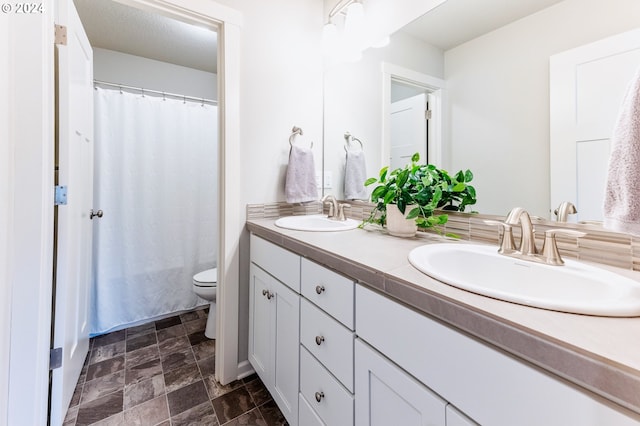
pixel 353 101
pixel 281 86
pixel 136 71
pixel 498 88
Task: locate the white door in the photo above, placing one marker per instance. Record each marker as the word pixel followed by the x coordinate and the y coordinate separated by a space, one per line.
pixel 74 225
pixel 261 324
pixel 408 130
pixel 587 85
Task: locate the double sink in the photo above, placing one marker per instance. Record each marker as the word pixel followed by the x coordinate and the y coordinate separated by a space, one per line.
pixel 575 287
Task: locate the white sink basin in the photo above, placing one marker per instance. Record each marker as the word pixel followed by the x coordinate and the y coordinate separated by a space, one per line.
pixel 316 222
pixel 575 287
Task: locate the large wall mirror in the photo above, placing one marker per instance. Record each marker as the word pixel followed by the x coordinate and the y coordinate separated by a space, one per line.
pixel 484 69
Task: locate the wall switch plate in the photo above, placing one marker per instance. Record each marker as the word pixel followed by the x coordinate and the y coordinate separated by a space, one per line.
pixel 328 180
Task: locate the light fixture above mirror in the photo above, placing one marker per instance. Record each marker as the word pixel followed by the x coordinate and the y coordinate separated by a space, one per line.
pixel 356 35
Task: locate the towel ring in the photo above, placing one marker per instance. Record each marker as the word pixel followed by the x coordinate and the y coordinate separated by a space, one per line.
pixel 348 138
pixel 295 132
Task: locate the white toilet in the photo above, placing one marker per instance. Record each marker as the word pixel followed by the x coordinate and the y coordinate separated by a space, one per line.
pixel 205 284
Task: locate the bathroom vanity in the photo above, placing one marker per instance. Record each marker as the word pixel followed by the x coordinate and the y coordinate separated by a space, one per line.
pixel 344 331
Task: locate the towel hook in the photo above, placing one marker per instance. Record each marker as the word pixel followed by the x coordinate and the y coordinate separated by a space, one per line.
pixel 295 132
pixel 348 138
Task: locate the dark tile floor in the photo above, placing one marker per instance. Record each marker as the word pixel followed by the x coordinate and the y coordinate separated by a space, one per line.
pixel 161 373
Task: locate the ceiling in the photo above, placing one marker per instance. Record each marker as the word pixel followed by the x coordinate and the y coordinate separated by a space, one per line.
pixel 457 21
pixel 114 26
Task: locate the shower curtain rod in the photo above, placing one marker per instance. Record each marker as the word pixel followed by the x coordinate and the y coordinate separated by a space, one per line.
pixel 157 92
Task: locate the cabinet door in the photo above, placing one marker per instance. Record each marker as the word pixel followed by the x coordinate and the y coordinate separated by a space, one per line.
pixel 456 418
pixel 261 324
pixel 286 366
pixel 386 395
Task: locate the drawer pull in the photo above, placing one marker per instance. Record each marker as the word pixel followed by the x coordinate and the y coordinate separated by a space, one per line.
pixel 319 340
pixel 319 289
pixel 319 396
pixel 267 293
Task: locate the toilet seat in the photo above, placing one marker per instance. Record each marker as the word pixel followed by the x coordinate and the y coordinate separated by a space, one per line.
pixel 208 278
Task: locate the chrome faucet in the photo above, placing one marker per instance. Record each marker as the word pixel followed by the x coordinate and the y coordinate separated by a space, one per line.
pixel 565 209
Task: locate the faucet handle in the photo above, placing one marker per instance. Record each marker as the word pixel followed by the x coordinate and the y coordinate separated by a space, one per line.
pixel 550 251
pixel 341 207
pixel 507 244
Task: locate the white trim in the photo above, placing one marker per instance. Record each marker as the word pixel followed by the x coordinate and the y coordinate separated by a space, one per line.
pixel 245 369
pixel 437 87
pixel 231 226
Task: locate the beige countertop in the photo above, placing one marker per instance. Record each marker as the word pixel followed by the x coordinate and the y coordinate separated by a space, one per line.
pixel 596 353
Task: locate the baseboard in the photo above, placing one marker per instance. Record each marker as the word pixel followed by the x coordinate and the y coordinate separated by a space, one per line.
pixel 245 369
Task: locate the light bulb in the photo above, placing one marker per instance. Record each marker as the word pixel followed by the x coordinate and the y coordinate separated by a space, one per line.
pixel 355 18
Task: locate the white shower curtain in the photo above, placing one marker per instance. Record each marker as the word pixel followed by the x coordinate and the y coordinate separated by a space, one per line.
pixel 156 181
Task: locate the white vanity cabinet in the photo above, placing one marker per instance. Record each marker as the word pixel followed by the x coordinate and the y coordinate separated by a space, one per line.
pixel 327 345
pixel 487 385
pixel 274 322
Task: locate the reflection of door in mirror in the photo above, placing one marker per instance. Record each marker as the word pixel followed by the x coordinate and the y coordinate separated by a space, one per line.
pixel 587 85
pixel 408 124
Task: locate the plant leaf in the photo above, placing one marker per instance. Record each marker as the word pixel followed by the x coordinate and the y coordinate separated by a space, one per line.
pixel 413 213
pixel 370 181
pixel 415 157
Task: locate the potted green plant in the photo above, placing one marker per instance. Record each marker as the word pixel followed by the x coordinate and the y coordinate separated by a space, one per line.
pixel 408 197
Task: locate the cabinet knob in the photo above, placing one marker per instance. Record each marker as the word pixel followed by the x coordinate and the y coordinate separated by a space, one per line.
pixel 319 396
pixel 319 340
pixel 264 292
pixel 93 214
pixel 269 295
pixel 319 289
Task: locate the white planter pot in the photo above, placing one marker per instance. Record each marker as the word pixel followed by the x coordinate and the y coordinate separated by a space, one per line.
pixel 397 223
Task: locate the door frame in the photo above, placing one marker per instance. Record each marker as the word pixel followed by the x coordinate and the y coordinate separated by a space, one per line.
pixel 436 124
pixel 227 22
pixel 27 215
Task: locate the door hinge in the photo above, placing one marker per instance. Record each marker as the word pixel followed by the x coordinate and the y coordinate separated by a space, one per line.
pixel 427 114
pixel 60 32
pixel 55 358
pixel 60 198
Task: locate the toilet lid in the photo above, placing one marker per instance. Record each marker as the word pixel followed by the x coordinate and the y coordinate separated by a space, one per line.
pixel 208 277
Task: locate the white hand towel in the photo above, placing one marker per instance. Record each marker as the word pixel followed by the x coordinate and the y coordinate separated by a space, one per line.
pixel 355 173
pixel 622 192
pixel 300 184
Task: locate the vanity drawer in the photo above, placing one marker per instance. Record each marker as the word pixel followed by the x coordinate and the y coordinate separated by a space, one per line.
pixel 328 340
pixel 330 400
pixel 278 262
pixel 330 291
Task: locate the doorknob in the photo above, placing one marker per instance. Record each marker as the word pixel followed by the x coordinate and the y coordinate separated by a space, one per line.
pixel 99 213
